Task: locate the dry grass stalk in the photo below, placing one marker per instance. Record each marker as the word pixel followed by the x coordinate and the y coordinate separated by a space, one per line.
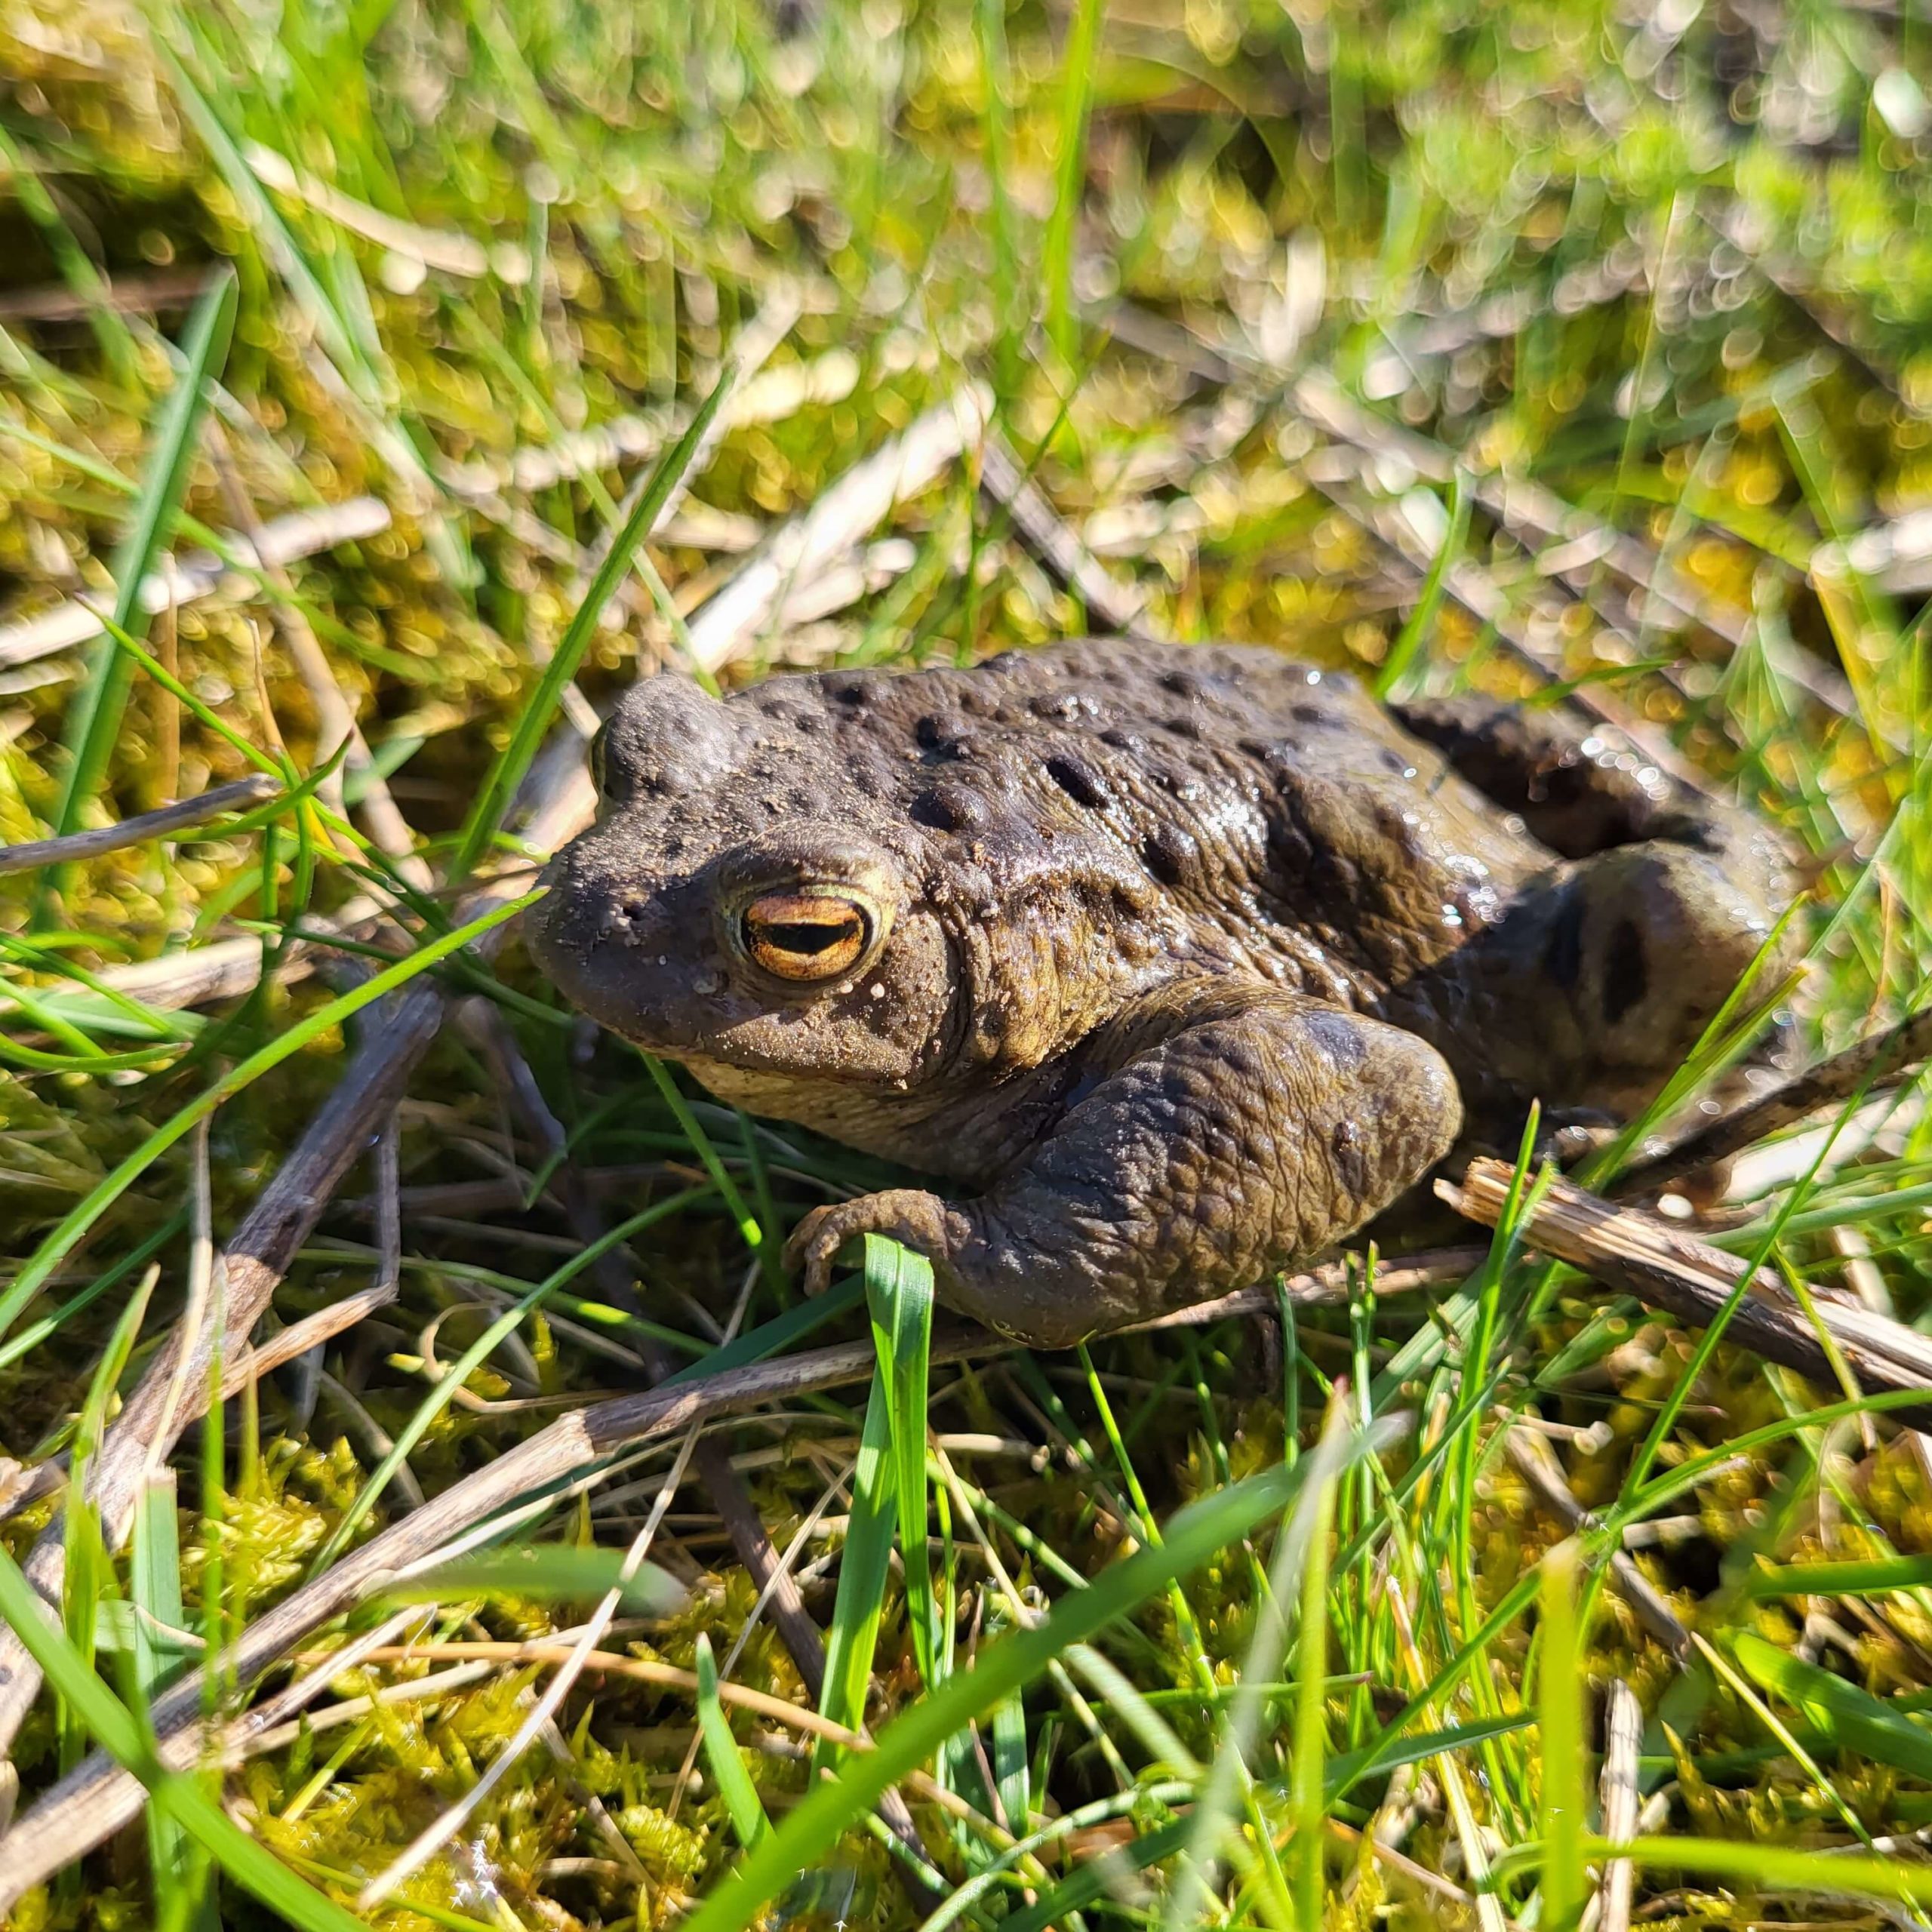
pixel 167 822
pixel 1661 1265
pixel 187 580
pixel 1623 1738
pixel 1532 1459
pixel 1870 1065
pixel 1054 544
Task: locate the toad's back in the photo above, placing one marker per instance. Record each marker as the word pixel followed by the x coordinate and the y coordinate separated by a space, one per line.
pixel 1263 816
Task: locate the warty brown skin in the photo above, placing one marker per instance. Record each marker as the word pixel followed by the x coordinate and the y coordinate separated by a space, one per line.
pixel 1188 959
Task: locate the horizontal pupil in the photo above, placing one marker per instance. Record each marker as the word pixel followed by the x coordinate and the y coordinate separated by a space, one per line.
pixel 808 939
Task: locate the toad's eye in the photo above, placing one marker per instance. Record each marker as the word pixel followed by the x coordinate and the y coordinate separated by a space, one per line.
pixel 597 745
pixel 805 935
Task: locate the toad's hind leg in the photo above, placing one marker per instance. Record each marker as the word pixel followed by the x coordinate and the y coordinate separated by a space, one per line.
pixel 1625 955
pixel 1258 1130
pixel 1582 788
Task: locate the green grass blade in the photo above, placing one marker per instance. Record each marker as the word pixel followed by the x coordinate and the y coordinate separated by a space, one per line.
pixel 94 720
pixel 1421 623
pixel 1850 1717
pixel 1560 1675
pixel 721 1752
pixel 864 1565
pixel 1859 1577
pixel 755 1233
pixel 1344 1768
pixel 1759 1867
pixel 493 796
pixel 775 1336
pixel 1097 1878
pixel 154 1586
pixel 899 1290
pixel 1063 224
pixel 1308 1778
pixel 546 1573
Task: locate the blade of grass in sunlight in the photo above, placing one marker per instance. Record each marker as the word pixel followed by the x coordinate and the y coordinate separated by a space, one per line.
pixel 1308 1796
pixel 1076 85
pixel 1849 1717
pixel 1761 1867
pixel 864 1565
pixel 1853 1577
pixel 1391 680
pixel 154 1593
pixel 1559 1671
pixel 94 720
pixel 545 1573
pixel 899 1290
pixel 89 1573
pixel 533 721
pixel 758 1238
pixel 137 1258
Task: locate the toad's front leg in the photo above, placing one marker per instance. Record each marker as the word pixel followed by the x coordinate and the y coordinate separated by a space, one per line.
pixel 1245 1140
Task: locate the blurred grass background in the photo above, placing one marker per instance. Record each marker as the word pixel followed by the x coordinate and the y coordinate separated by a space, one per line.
pixel 1552 347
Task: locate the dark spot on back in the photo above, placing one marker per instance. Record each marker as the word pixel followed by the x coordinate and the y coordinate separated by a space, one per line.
pixel 1393 760
pixel 1563 954
pixel 947 808
pixel 1182 684
pixel 1122 741
pixel 928 732
pixel 1181 727
pixel 1080 783
pixel 1306 713
pixel 854 693
pixel 1169 853
pixel 1626 978
pixel 1059 707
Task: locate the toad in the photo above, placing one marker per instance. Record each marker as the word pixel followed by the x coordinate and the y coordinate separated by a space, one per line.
pixel 1183 962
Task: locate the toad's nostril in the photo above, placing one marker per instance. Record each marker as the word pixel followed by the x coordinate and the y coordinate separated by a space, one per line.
pixel 631 911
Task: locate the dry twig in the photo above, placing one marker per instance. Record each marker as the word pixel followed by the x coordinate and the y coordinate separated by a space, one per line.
pixel 187 580
pixel 1623 1738
pixel 1046 533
